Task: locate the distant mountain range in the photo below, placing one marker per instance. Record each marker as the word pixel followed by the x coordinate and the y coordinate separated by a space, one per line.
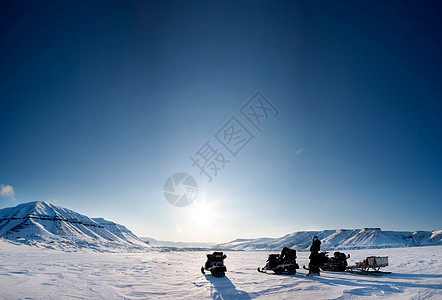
pixel 44 224
pixel 47 225
pixel 159 243
pixel 340 239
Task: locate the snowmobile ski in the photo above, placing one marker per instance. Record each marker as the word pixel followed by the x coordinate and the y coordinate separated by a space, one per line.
pixel 310 274
pixel 265 271
pixel 368 273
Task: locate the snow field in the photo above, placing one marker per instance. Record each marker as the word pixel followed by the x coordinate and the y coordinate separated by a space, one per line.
pixel 38 273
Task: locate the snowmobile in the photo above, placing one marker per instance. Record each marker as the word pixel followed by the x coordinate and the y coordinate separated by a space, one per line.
pixel 281 264
pixel 336 263
pixel 215 264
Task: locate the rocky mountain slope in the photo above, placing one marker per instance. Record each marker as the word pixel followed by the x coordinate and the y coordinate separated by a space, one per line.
pixel 341 239
pixel 48 225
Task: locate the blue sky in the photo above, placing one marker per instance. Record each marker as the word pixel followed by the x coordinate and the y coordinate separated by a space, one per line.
pixel 101 102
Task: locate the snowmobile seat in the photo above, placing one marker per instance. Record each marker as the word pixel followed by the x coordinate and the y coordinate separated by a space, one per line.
pixel 290 255
pixel 340 256
pixel 272 261
pixel 218 257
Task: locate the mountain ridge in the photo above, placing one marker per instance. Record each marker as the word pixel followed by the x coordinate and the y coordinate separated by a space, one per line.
pixel 42 223
pixel 343 239
pixel 179 244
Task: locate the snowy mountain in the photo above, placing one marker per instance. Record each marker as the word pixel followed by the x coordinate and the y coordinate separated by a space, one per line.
pixel 366 238
pixel 43 224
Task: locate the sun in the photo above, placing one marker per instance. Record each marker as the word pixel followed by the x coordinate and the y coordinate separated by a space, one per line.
pixel 203 213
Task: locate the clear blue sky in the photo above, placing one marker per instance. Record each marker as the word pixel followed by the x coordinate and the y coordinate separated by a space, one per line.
pixel 102 101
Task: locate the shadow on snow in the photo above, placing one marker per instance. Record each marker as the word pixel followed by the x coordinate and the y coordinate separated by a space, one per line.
pixel 379 286
pixel 223 288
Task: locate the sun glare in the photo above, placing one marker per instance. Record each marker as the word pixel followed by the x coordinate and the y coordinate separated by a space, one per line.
pixel 203 213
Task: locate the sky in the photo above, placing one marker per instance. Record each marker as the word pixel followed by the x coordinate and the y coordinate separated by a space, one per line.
pixel 103 101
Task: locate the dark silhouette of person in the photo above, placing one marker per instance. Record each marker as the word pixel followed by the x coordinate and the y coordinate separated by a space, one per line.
pixel 316 244
pixel 315 259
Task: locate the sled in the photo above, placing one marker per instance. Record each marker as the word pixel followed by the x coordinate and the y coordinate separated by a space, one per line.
pixel 370 266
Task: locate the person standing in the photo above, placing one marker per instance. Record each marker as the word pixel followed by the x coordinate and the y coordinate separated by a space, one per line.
pixel 315 260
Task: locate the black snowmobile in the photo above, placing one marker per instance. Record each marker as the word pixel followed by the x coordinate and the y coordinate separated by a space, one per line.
pixel 215 264
pixel 336 263
pixel 284 263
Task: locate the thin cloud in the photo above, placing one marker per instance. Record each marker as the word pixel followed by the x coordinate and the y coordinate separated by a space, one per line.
pixel 7 191
pixel 299 151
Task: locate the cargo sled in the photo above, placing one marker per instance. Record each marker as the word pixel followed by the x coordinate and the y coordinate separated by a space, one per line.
pixel 215 264
pixel 370 266
pixel 281 264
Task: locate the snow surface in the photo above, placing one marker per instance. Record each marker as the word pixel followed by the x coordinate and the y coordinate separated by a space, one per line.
pixel 40 273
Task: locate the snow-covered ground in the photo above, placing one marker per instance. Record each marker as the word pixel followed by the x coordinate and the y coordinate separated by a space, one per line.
pixel 39 273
